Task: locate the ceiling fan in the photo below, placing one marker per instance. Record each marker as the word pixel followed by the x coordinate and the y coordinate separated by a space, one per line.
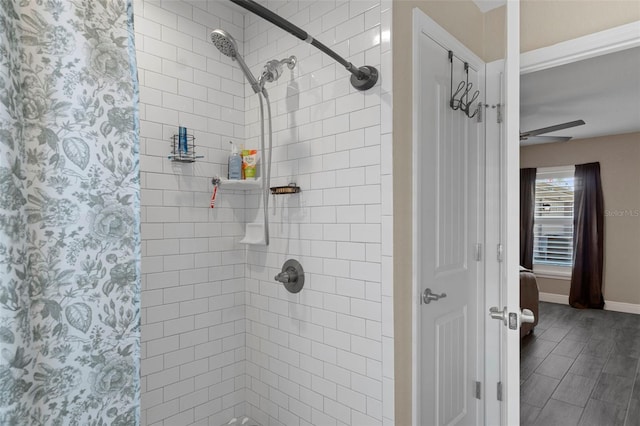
pixel 532 136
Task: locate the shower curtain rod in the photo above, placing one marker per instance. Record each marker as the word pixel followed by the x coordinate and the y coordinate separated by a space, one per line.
pixel 363 78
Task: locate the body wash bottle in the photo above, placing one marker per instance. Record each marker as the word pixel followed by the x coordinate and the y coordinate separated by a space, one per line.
pixel 235 163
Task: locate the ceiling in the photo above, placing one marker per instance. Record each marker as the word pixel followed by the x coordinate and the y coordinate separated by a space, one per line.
pixel 603 91
pixel 487 5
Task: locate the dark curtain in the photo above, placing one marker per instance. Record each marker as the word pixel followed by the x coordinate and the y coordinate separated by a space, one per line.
pixel 588 239
pixel 527 209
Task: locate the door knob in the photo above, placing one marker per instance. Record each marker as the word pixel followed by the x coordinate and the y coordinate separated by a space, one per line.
pixel 498 314
pixel 527 316
pixel 427 296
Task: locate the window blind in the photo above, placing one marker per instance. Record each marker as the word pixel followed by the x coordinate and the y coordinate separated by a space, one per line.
pixel 553 219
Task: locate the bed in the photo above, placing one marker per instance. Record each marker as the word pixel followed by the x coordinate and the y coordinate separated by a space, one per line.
pixel 529 298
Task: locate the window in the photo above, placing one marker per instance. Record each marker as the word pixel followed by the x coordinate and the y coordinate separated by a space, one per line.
pixel 553 221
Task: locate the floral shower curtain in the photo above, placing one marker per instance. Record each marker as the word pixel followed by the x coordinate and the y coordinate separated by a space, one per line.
pixel 69 214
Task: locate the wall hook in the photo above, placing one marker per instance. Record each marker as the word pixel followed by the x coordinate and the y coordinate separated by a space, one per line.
pixel 462 102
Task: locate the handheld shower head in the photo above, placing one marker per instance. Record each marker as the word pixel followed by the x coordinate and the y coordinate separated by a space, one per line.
pixel 223 41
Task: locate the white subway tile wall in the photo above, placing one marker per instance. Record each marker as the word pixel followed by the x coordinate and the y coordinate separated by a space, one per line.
pixel 220 338
pixel 193 294
pixel 326 356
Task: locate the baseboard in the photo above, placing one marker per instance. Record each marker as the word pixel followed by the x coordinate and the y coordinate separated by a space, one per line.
pixel 554 298
pixel 629 308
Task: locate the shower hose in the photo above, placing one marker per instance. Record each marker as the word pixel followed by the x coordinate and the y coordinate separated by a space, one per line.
pixel 267 168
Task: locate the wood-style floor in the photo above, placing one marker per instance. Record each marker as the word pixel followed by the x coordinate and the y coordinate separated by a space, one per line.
pixel 580 367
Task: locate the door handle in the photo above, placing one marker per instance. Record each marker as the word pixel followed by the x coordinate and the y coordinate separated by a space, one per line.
pixel 498 314
pixel 427 296
pixel 526 316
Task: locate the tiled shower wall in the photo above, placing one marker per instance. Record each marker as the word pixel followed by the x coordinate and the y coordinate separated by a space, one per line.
pixel 193 344
pixel 324 356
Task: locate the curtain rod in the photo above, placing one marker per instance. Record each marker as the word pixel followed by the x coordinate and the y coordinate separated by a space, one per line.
pixel 362 78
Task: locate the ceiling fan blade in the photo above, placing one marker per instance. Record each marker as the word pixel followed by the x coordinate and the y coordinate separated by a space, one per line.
pixel 538 140
pixel 552 128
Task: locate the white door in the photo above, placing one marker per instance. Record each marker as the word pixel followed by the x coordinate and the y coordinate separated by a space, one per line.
pixel 510 206
pixel 493 238
pixel 448 230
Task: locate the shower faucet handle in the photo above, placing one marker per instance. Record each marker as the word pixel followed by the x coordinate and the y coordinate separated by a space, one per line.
pixel 288 276
pixel 292 276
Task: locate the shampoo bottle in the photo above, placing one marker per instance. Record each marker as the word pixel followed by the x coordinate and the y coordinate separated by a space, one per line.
pixel 235 163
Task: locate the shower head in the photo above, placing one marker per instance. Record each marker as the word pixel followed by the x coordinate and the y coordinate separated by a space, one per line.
pixel 223 41
pixel 273 69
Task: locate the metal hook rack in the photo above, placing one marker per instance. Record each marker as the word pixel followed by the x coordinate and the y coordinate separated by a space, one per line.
pixel 463 103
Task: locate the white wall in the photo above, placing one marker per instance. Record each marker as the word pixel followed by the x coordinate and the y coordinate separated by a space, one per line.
pixel 193 269
pixel 324 356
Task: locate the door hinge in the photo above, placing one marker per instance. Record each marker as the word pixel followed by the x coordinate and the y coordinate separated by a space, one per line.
pixel 478 390
pixel 500 253
pixel 478 252
pixel 499 391
pixel 497 107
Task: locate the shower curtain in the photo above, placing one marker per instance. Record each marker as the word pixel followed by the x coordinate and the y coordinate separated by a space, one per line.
pixel 69 214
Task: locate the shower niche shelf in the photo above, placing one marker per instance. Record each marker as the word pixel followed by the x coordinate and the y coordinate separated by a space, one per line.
pixel 244 184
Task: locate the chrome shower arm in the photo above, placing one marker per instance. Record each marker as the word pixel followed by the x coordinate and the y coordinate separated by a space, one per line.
pixel 291 62
pixel 273 69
